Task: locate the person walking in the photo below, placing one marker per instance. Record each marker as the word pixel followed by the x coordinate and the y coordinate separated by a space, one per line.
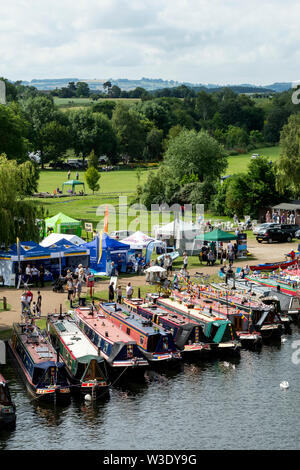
pixel 70 287
pixel 111 292
pixel 185 261
pixel 24 303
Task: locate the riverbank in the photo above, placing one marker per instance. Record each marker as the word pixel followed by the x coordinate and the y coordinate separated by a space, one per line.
pixel 51 301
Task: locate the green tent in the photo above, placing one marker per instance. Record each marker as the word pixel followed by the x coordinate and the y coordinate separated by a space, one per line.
pixel 216 235
pixel 61 223
pixel 73 183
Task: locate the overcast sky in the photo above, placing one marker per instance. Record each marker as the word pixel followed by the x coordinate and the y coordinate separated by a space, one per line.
pixel 207 41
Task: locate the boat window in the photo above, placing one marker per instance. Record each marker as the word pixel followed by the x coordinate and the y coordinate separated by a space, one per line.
pixel 93 371
pixel 128 331
pixel 141 340
pixel 238 323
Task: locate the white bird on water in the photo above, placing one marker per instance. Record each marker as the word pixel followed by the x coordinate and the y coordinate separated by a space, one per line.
pixel 284 385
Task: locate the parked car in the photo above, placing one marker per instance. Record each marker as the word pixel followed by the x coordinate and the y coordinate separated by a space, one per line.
pixel 120 234
pixel 277 234
pixel 260 227
pixel 297 234
pixel 255 155
pixel 291 228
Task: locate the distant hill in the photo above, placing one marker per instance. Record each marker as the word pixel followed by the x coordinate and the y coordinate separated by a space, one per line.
pixel 151 84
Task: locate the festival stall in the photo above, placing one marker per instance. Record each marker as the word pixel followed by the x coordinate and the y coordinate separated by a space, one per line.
pixel 178 233
pixel 155 274
pixel 53 258
pixel 104 250
pixel 139 241
pixel 56 237
pixel 61 223
pixel 73 183
pixel 216 236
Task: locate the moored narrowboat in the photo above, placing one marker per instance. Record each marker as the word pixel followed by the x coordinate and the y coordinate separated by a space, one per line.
pixel 86 370
pixel 240 320
pixel 118 349
pixel 216 329
pixel 7 407
pixel 155 342
pixel 44 375
pixel 188 335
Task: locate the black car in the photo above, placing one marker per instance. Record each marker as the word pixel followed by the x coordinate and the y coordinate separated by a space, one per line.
pixel 277 234
pixel 290 228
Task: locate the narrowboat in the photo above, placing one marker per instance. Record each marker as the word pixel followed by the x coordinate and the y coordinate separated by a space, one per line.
pixel 188 335
pixel 44 375
pixel 118 349
pixel 86 370
pixel 264 318
pixel 7 407
pixel 216 329
pixel 282 285
pixel 240 319
pixel 155 342
pixel 273 266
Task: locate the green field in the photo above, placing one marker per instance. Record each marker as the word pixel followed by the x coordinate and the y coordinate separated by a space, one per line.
pixel 123 183
pixel 77 103
pixel 239 163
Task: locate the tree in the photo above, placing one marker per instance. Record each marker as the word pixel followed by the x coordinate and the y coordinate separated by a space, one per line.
pixel 92 177
pixel 93 160
pixel 289 161
pixel 236 137
pixel 153 148
pixel 115 92
pixel 195 153
pixel 107 86
pixel 130 132
pixel 82 90
pixel 106 107
pixel 13 133
pixel 17 216
pixel 55 139
pixel 92 131
pixel 275 121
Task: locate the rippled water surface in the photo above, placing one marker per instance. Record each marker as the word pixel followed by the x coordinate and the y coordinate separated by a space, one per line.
pixel 198 406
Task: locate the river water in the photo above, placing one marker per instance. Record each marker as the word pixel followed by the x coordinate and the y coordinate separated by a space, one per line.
pixel 206 405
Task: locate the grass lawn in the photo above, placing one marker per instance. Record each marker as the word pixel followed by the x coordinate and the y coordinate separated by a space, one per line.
pixel 77 103
pixel 239 163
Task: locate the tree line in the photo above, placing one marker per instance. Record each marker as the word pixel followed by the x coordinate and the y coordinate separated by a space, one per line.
pixel 191 136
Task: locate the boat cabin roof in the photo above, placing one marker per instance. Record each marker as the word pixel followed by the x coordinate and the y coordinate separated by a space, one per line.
pixel 38 347
pixel 176 318
pixel 134 320
pixel 102 325
pixel 73 337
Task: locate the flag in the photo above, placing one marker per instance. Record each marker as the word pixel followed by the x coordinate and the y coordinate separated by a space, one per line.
pixel 106 220
pixel 100 246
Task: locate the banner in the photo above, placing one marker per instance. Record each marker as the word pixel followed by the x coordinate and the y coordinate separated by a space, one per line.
pixel 149 250
pixel 106 220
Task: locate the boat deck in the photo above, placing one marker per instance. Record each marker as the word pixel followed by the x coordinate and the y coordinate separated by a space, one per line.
pixel 73 337
pixel 177 319
pixel 102 325
pixel 200 315
pixel 37 346
pixel 133 319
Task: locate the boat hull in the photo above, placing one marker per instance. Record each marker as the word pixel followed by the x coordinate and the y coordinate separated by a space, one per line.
pixel 48 395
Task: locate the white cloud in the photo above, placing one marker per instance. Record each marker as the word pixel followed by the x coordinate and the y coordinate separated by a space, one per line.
pixel 218 41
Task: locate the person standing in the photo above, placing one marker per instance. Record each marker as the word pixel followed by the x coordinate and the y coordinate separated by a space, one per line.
pixel 42 274
pixel 129 291
pixel 77 175
pixel 28 274
pixel 113 269
pixel 35 276
pixel 111 292
pixel 79 288
pixel 185 261
pixel 24 303
pixel 70 288
pixel 69 174
pixel 39 304
pixel 119 294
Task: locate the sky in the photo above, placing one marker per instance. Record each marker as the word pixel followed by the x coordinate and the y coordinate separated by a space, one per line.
pixel 198 41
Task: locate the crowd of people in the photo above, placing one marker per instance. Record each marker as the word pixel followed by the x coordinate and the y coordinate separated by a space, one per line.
pixel 29 307
pixel 32 275
pixel 209 253
pixel 118 292
pixel 287 217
